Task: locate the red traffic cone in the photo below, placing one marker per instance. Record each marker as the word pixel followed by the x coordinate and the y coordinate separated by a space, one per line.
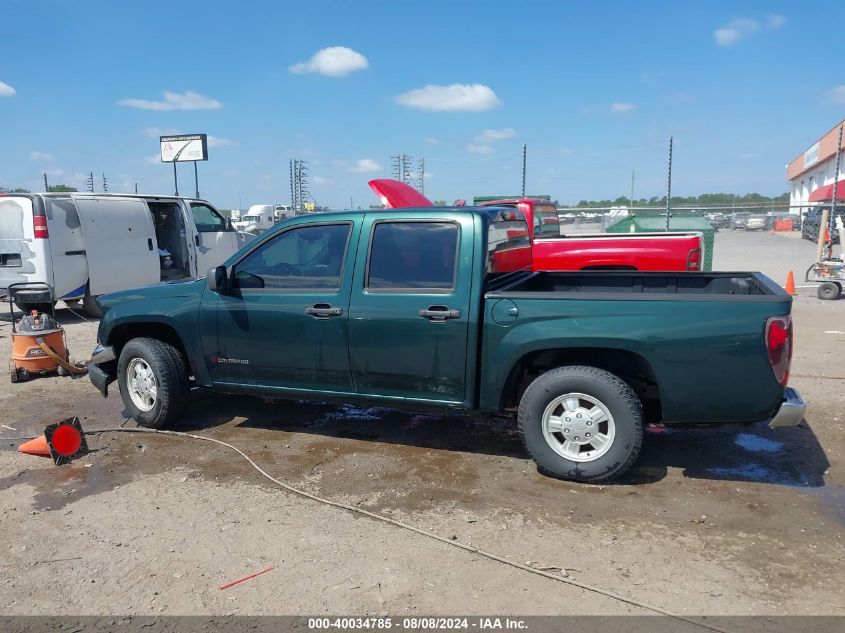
pixel 790 284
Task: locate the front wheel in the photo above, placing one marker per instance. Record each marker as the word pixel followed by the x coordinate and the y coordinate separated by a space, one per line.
pixel 153 380
pixel 581 423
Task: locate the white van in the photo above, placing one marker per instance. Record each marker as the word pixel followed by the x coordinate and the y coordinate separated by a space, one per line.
pixel 83 245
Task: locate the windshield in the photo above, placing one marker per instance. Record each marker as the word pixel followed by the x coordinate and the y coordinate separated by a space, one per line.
pixel 546 221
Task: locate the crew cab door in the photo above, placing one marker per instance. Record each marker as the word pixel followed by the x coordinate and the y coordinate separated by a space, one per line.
pixel 283 322
pixel 409 309
pixel 120 243
pixel 213 241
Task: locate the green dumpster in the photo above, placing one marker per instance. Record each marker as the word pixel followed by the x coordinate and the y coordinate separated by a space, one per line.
pixel 639 223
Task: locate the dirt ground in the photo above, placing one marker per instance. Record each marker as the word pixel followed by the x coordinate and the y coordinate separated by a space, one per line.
pixel 731 521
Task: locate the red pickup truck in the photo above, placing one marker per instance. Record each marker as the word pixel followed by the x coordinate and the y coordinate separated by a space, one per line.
pixel 553 251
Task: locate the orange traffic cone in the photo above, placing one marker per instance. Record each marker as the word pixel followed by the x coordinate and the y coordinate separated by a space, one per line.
pixel 62 441
pixel 38 446
pixel 790 284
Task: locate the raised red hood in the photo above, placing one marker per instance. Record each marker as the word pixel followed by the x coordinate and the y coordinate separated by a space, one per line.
pixel 397 195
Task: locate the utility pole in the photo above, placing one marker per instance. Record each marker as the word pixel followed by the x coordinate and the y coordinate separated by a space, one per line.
pixel 402 169
pixel 105 184
pixel 669 187
pixel 90 182
pixel 631 201
pixel 46 186
pixel 136 187
pixel 299 185
pixel 421 176
pixel 524 165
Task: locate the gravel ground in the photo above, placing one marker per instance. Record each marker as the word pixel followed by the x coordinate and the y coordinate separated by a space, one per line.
pixel 728 521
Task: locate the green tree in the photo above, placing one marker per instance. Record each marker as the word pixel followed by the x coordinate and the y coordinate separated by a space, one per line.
pixel 61 188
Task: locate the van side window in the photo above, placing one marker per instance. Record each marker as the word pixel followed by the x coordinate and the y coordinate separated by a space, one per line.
pixel 207 219
pixel 413 256
pixel 305 257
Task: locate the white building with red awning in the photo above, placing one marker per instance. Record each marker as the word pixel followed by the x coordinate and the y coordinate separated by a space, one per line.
pixel 811 173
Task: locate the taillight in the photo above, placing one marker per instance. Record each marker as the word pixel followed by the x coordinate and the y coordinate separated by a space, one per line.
pixel 694 259
pixel 779 346
pixel 39 226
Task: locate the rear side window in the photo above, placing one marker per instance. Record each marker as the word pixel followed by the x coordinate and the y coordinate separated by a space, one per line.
pixel 546 221
pixel 413 256
pixel 508 245
pixel 305 257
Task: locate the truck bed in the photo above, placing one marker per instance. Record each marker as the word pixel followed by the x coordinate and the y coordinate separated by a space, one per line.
pixel 699 336
pixel 639 285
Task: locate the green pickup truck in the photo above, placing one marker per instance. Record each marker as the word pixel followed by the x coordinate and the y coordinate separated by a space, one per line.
pixel 438 308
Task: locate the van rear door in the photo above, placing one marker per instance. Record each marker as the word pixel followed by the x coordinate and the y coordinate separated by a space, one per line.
pixel 120 243
pixel 23 249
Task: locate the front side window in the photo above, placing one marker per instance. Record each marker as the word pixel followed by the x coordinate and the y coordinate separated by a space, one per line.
pixel 413 255
pixel 305 257
pixel 207 219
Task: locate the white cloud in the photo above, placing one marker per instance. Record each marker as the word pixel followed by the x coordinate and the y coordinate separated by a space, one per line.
pixel 837 94
pixel 155 132
pixel 6 90
pixel 175 101
pixel 365 166
pixel 155 159
pixel 216 141
pixel 320 180
pixel 453 98
pixel 34 155
pixel 740 28
pixel 432 141
pixel 488 136
pixel 622 106
pixel 334 61
pixel 484 150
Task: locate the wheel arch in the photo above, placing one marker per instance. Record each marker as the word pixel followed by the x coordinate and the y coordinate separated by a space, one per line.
pixel 630 366
pixel 121 334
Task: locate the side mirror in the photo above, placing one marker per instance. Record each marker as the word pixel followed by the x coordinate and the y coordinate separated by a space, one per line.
pixel 218 279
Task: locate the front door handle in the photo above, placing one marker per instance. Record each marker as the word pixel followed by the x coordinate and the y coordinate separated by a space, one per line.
pixel 439 314
pixel 323 311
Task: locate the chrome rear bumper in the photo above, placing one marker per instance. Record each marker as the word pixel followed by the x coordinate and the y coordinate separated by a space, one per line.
pixel 791 410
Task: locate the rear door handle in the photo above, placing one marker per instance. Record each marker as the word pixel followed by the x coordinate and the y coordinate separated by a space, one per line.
pixel 197 240
pixel 323 311
pixel 439 314
pixel 150 243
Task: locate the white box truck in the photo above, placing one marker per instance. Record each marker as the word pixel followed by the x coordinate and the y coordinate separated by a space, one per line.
pixel 83 245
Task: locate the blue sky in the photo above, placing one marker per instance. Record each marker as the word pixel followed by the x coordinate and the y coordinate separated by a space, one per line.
pixel 595 90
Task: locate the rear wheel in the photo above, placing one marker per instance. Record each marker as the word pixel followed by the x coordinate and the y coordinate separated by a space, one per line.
pixel 153 380
pixel 829 291
pixel 581 423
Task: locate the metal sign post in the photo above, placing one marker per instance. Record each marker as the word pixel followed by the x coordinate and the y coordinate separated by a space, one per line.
pixel 669 187
pixel 183 148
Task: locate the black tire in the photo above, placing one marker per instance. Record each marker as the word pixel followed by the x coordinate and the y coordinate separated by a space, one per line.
pixel 614 394
pixel 170 370
pixel 829 291
pixel 91 307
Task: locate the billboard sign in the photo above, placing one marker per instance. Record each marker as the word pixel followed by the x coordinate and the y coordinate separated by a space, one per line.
pixel 184 147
